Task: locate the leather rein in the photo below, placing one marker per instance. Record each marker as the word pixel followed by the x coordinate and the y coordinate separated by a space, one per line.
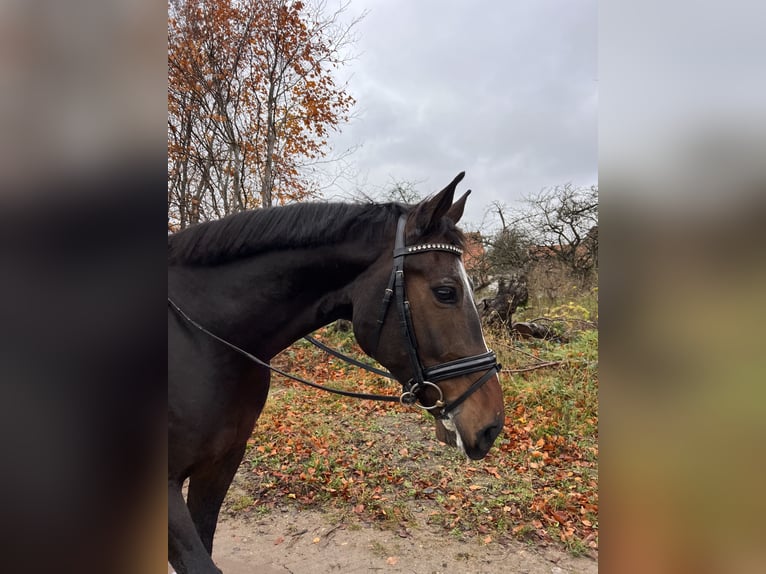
pixel 422 376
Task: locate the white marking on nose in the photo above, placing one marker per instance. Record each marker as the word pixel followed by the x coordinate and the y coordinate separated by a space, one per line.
pixel 469 293
pixel 449 424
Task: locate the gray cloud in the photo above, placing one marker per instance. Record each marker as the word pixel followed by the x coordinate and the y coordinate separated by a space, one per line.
pixel 506 91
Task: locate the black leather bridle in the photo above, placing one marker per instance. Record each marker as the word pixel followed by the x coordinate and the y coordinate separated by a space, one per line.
pixel 423 377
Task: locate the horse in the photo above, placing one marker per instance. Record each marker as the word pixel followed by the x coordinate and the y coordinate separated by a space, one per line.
pixel 259 280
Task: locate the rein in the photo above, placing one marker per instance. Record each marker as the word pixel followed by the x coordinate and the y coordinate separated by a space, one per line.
pixel 387 398
pixel 349 360
pixel 422 376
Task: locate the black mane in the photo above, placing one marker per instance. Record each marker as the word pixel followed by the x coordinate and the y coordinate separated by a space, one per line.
pixel 297 225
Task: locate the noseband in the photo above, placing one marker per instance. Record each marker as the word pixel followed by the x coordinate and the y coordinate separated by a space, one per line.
pixel 423 377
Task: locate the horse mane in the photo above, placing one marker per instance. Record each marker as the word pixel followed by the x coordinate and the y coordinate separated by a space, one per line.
pixel 292 226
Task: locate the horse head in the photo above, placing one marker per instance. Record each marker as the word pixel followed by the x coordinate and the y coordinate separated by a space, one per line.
pixel 419 320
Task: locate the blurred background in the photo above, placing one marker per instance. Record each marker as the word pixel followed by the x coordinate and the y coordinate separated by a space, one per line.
pixel 83 150
pixel 681 148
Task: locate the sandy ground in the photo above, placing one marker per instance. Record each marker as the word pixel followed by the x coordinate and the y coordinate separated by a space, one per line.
pixel 306 542
pixel 292 541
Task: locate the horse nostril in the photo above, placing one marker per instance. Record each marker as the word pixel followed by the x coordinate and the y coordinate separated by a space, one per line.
pixel 489 434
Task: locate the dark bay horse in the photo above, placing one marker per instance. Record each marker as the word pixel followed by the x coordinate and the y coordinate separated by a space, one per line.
pixel 265 278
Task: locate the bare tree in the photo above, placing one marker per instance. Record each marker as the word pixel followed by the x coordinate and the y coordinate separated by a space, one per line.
pixel 506 250
pixel 397 190
pixel 563 223
pixel 403 191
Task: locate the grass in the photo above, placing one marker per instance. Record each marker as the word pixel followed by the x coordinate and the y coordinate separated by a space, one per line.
pixel 578 309
pixel 241 502
pixel 380 463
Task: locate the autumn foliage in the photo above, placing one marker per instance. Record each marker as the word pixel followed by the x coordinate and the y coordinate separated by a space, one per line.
pixel 380 463
pixel 251 101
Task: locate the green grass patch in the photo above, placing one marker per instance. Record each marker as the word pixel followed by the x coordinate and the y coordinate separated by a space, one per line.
pixel 380 463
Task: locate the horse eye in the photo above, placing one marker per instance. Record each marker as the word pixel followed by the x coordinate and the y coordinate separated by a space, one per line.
pixel 446 294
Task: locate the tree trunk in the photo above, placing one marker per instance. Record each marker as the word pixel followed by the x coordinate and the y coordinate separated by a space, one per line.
pixel 267 183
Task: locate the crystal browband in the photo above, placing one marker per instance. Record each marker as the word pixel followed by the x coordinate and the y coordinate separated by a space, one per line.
pixel 428 247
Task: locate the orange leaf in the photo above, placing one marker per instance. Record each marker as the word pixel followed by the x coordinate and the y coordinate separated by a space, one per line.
pixel 559 516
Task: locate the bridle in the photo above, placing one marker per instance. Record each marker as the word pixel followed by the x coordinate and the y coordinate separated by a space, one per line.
pixel 422 377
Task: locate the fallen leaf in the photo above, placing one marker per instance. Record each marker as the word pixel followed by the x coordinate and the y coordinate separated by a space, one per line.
pixel 487 540
pixel 559 516
pixel 279 540
pixel 492 470
pixel 392 560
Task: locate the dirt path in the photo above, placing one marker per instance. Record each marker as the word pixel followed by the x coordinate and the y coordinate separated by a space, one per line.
pixel 289 540
pixel 306 542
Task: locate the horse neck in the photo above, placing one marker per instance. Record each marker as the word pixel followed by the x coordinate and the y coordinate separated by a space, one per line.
pixel 266 302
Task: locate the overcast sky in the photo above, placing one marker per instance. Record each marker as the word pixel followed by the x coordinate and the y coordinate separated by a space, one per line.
pixel 507 91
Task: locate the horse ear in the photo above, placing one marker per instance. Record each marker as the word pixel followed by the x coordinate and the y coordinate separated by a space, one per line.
pixel 456 211
pixel 430 211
